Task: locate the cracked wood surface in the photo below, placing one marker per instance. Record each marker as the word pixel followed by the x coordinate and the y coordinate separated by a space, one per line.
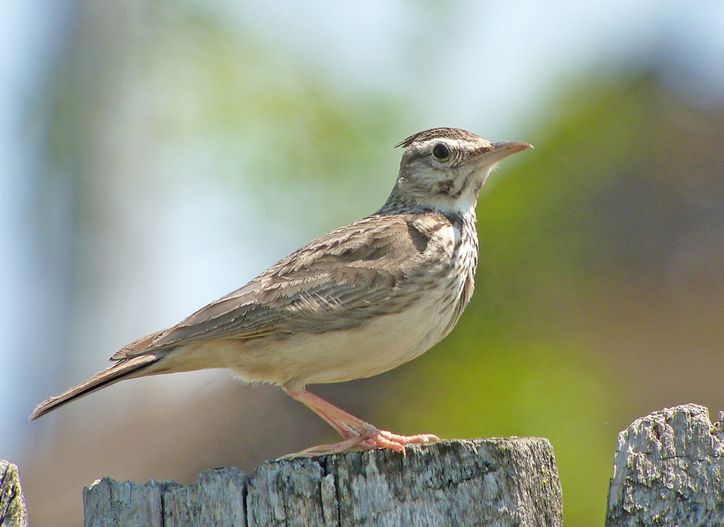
pixel 12 502
pixel 669 470
pixel 493 482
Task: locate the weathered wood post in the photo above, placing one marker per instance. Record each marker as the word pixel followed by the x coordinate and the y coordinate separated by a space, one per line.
pixel 493 482
pixel 12 501
pixel 669 470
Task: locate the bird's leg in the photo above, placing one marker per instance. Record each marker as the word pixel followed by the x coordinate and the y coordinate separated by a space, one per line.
pixel 344 423
pixel 357 434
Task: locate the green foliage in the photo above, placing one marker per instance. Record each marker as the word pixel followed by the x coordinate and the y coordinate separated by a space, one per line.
pixel 269 122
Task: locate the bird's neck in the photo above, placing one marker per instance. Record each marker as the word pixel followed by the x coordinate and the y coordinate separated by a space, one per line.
pixel 399 202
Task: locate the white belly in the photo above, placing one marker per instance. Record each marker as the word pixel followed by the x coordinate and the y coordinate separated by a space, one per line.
pixel 378 346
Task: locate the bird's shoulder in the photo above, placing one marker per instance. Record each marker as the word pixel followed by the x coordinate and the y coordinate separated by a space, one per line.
pixel 371 242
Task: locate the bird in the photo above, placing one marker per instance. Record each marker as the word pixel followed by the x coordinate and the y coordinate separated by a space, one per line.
pixel 353 303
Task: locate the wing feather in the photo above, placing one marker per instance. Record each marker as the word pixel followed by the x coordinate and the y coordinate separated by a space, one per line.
pixel 335 282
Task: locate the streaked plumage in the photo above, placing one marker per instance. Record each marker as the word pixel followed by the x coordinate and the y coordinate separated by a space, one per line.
pixel 353 303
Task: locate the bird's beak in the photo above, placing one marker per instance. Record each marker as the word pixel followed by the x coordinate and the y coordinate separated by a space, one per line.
pixel 503 149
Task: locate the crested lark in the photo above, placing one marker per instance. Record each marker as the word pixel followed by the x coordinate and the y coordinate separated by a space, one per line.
pixel 353 303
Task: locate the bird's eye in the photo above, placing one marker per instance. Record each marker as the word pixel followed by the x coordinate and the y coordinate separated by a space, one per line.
pixel 441 152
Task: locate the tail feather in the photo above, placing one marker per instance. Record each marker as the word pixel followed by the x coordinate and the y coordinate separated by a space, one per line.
pixel 119 371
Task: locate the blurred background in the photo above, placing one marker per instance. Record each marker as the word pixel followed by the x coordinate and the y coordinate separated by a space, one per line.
pixel 157 155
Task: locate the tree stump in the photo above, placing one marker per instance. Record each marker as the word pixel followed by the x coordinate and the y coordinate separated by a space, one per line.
pixel 12 501
pixel 669 470
pixel 494 482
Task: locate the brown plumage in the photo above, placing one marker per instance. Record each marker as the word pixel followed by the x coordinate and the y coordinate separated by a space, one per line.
pixel 355 302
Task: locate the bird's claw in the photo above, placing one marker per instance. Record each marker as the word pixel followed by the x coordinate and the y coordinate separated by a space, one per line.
pixel 368 440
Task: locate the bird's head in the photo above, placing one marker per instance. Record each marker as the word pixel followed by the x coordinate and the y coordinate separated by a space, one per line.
pixel 445 168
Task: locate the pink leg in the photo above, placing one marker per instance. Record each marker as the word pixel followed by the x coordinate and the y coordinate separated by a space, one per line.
pixel 357 434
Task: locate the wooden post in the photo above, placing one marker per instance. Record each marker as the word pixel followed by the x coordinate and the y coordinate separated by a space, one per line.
pixel 669 470
pixel 12 501
pixel 496 482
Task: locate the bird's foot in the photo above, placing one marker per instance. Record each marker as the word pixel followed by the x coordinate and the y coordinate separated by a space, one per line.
pixel 370 439
pixel 323 450
pixel 384 439
pixel 357 434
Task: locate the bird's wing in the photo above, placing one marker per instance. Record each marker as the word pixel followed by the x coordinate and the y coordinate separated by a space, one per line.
pixel 335 282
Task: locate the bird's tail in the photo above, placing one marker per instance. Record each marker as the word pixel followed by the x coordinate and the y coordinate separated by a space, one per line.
pixel 123 369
